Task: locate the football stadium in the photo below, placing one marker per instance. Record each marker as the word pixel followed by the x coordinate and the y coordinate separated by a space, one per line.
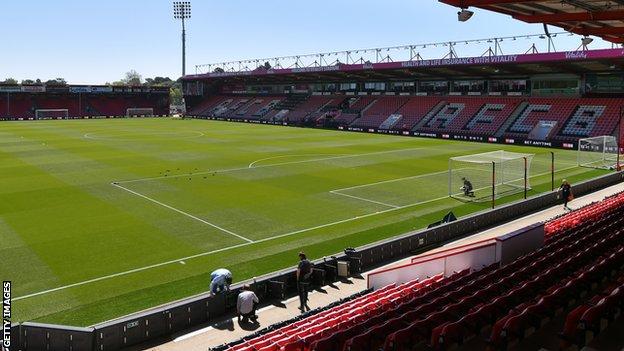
pixel 405 197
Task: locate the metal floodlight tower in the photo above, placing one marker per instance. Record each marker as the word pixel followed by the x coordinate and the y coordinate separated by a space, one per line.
pixel 182 11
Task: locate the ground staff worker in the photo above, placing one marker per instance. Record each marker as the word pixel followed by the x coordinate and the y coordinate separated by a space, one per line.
pixel 220 280
pixel 304 273
pixel 566 193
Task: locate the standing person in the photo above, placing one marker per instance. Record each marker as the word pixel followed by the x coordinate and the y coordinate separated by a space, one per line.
pixel 304 273
pixel 246 304
pixel 566 192
pixel 220 280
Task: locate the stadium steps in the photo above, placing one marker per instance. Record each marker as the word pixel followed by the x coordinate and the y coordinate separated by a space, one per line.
pixel 436 109
pixel 512 118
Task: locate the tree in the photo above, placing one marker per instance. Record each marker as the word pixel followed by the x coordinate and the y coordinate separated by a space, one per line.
pixel 267 65
pixel 159 81
pixel 133 78
pixel 57 82
pixel 31 82
pixel 9 81
pixel 175 95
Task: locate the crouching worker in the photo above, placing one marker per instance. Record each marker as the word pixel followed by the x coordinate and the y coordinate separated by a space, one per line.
pixel 246 305
pixel 220 281
pixel 467 188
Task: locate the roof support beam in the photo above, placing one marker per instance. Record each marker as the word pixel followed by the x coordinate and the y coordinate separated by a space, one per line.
pixel 598 31
pixel 467 3
pixel 573 17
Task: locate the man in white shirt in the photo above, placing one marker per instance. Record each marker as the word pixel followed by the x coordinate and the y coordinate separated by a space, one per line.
pixel 246 304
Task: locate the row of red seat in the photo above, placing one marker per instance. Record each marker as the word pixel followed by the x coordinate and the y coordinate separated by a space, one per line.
pixel 587 213
pixel 306 329
pixel 531 315
pixel 588 319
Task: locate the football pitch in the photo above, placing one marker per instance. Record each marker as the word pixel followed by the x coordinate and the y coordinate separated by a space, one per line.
pixel 101 218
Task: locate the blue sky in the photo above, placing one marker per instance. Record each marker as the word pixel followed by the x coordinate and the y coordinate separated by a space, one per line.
pixel 95 41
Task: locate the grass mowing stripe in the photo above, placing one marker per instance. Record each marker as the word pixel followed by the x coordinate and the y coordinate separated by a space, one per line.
pixel 183 213
pixel 362 199
pixel 270 165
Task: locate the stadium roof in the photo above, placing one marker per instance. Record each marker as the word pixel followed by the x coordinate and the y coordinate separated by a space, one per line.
pixel 601 18
pixel 520 65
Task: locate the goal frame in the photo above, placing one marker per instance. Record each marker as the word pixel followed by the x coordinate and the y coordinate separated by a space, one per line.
pixel 607 148
pixel 492 163
pixel 43 110
pixel 150 112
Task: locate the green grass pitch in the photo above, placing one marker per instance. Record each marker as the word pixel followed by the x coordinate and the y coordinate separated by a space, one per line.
pixel 102 218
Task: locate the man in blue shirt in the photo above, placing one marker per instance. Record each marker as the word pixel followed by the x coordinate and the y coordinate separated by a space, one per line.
pixel 220 280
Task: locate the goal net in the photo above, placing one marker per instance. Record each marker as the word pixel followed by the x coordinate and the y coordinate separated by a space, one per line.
pixel 55 113
pixel 139 112
pixel 598 152
pixel 479 176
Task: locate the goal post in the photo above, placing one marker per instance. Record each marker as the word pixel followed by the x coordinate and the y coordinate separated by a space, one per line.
pixel 489 176
pixel 598 152
pixel 52 113
pixel 140 112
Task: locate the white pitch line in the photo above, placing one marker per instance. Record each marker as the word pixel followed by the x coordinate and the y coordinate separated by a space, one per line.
pixel 251 165
pixel 363 199
pixel 197 134
pixel 136 270
pixel 183 213
pixel 270 165
pixel 390 181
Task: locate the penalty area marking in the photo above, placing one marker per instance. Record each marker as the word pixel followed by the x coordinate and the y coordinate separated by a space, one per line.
pixel 140 269
pixel 363 199
pixel 251 165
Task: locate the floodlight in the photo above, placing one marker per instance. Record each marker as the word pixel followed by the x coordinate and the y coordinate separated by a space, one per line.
pixel 464 15
pixel 586 41
pixel 182 11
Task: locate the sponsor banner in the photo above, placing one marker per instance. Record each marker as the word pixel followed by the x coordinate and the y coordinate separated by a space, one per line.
pixel 467 137
pixel 493 140
pixel 510 141
pixel 101 89
pixel 33 88
pixel 568 146
pixel 538 143
pixel 57 89
pixel 9 89
pixel 568 56
pixel 79 89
